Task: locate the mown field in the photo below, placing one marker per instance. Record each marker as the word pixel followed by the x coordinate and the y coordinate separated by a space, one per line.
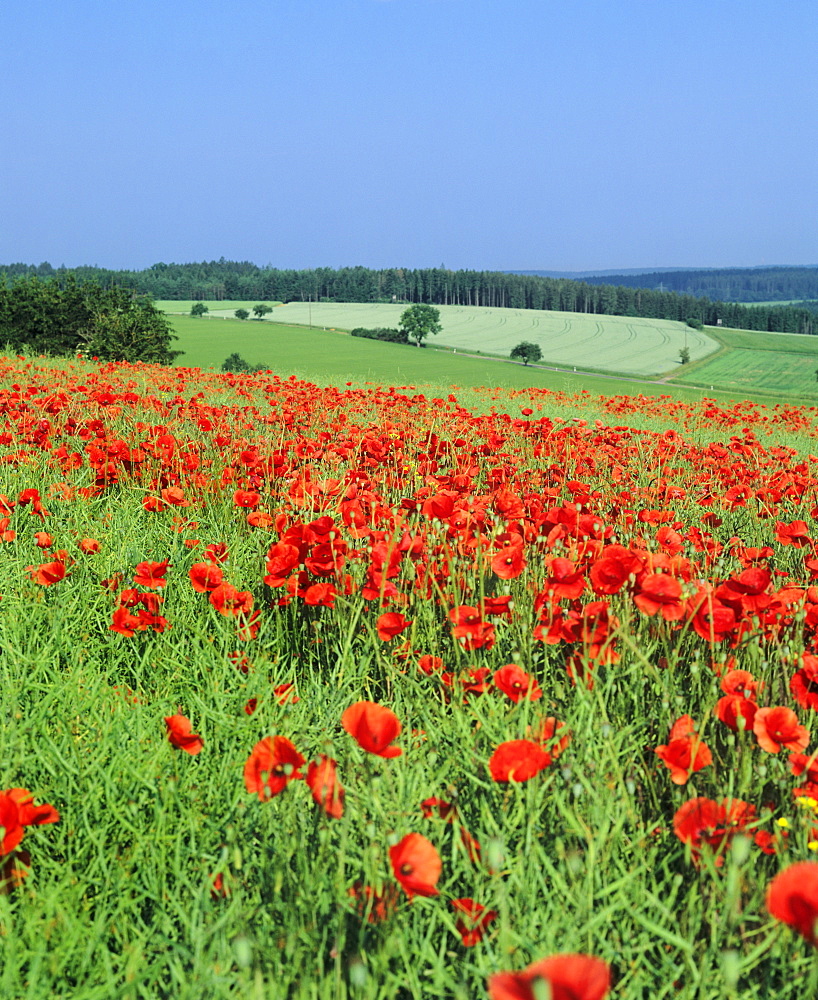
pixel 351 692
pixel 606 343
pixel 778 363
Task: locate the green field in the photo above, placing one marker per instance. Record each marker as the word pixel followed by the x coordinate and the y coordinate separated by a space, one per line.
pixel 329 357
pixel 619 344
pixel 778 363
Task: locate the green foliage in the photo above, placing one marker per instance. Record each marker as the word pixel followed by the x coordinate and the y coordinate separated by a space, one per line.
pixel 241 314
pixel 261 310
pixel 388 334
pixel 684 355
pixel 419 321
pixel 694 322
pixel 198 309
pixel 236 363
pixel 50 317
pixel 526 351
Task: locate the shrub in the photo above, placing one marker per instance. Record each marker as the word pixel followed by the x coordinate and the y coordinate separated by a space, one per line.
pixel 236 363
pixel 61 318
pixel 388 334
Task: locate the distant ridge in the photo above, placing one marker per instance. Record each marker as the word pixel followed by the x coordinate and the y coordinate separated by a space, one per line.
pixel 762 283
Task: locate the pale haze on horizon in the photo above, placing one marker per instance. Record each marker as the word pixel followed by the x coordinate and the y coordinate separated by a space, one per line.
pixel 595 134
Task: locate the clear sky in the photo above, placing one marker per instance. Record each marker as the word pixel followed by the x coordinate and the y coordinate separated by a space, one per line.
pixel 486 134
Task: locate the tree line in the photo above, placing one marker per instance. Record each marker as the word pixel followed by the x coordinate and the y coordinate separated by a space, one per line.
pixel 223 279
pixel 729 284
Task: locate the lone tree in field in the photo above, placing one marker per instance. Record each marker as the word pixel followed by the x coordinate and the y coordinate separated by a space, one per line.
pixel 241 314
pixel 198 309
pixel 261 310
pixel 419 321
pixel 525 351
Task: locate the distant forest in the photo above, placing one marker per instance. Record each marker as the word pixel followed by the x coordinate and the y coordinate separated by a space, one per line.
pixel 224 279
pixel 729 284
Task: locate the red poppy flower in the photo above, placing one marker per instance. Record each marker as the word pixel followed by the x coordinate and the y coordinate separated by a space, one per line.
pixel 685 752
pixel 285 693
pixel 704 821
pixel 89 545
pixel 430 664
pixel 472 920
pixel 509 562
pixel 181 736
pixel 437 807
pixel 660 593
pixel 733 707
pixel 43 540
pixel 327 790
pixel 151 574
pixel 373 727
pixel 569 977
pixel 549 730
pixel 518 760
pixel 804 683
pixel 739 682
pixel 205 577
pixel 230 602
pixel 792 897
pixel 246 498
pixel 390 624
pixel 17 811
pixel 47 574
pixel 778 727
pixel 516 684
pixel 416 865
pixel 273 763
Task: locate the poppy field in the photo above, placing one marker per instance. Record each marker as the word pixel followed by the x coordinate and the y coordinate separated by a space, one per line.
pixel 355 691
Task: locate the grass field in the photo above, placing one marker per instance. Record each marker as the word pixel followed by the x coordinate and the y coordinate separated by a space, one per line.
pixel 330 357
pixel 751 362
pixel 609 343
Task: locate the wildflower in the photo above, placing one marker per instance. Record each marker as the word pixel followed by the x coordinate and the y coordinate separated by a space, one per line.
pixel 373 727
pixel 205 577
pixel 518 760
pixel 560 977
pixel 327 790
pixel 792 897
pixel 416 865
pixel 390 624
pixel 472 920
pixel 181 736
pixel 151 574
pixel 685 752
pixel 47 574
pixel 778 727
pixel 703 821
pixel 516 684
pixel 273 763
pixel 434 806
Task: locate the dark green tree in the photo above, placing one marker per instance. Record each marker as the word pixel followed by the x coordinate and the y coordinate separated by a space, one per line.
pixel 198 309
pixel 419 321
pixel 241 314
pixel 261 310
pixel 63 316
pixel 525 351
pixel 684 355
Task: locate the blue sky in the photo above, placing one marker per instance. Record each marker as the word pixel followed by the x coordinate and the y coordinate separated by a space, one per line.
pixel 486 134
